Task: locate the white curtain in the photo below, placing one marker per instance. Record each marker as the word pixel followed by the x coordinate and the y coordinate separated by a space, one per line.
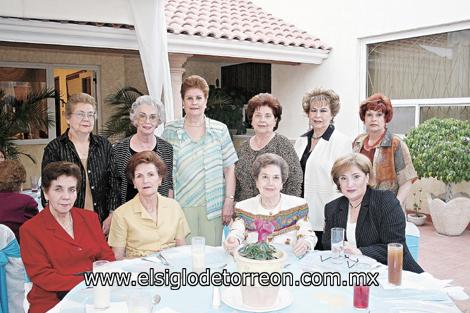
pixel 150 28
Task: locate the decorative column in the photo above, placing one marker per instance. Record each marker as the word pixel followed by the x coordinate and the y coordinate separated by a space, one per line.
pixel 177 62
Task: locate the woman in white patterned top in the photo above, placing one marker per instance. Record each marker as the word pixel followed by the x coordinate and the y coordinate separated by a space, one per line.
pixel 287 214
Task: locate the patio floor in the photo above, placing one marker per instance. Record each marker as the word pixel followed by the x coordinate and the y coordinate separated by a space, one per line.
pixel 446 258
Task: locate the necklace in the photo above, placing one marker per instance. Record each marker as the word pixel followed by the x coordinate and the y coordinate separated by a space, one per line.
pixel 354 206
pixel 259 143
pixel 67 225
pixel 189 124
pixel 368 147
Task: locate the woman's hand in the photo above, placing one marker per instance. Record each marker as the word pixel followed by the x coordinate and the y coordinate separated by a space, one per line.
pixel 231 243
pixel 301 247
pixel 227 211
pixel 351 249
pixel 107 224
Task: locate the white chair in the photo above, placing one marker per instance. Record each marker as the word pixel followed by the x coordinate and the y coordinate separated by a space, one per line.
pixel 14 271
pixel 412 235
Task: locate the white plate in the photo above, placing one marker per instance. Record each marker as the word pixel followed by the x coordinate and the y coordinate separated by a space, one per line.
pixel 232 296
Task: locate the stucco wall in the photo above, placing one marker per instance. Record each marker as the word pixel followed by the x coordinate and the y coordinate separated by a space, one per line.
pixel 115 71
pixel 209 70
pixel 343 24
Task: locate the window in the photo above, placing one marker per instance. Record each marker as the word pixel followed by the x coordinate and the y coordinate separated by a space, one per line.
pixel 426 76
pixel 18 83
pixel 18 80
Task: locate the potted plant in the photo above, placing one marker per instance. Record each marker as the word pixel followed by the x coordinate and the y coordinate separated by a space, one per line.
pixel 417 217
pixel 20 117
pixel 440 148
pixel 226 106
pixel 256 258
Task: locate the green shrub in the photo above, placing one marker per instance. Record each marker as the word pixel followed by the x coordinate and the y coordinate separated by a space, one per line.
pixel 440 148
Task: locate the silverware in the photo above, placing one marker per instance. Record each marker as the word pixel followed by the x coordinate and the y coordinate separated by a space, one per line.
pixel 300 257
pixel 162 258
pixel 216 298
pixel 221 266
pixel 149 260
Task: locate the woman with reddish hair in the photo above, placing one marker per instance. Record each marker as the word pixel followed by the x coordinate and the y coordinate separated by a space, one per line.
pixel 264 114
pixel 392 168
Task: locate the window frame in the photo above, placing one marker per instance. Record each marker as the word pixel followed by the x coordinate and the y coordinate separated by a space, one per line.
pixel 415 103
pixel 49 68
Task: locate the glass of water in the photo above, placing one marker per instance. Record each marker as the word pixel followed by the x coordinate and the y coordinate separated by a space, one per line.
pixel 337 244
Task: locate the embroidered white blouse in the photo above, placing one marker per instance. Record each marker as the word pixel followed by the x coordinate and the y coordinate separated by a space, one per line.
pixel 290 219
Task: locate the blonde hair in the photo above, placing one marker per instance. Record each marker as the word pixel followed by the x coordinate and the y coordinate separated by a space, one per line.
pixel 320 95
pixel 78 98
pixel 347 161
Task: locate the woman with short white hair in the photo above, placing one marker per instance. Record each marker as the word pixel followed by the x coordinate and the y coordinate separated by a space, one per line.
pixel 146 115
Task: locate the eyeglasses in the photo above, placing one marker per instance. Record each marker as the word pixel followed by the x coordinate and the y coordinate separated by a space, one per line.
pixel 153 118
pixel 82 115
pixel 350 261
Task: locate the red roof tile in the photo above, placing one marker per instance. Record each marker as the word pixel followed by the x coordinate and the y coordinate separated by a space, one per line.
pixel 227 19
pixel 236 20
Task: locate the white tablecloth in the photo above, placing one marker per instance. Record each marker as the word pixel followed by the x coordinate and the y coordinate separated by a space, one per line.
pixel 305 299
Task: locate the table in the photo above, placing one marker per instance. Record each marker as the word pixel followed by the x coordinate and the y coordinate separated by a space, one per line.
pixel 305 299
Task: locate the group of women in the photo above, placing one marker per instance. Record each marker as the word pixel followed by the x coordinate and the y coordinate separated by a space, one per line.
pixel 150 193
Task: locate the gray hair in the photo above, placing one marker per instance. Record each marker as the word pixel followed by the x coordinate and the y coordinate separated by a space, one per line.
pixel 266 159
pixel 148 100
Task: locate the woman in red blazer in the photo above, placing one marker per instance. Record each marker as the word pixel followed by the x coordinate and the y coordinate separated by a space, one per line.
pixel 61 242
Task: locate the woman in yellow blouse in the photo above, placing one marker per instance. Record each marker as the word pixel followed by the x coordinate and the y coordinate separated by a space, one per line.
pixel 149 222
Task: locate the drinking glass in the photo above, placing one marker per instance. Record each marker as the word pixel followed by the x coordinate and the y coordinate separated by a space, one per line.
pixel 197 253
pixel 139 301
pixel 101 293
pixel 34 184
pixel 337 244
pixel 361 297
pixel 395 263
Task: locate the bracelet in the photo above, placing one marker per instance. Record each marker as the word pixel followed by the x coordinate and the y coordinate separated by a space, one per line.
pixel 230 197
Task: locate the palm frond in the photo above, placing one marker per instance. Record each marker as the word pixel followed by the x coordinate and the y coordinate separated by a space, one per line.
pixel 22 116
pixel 119 124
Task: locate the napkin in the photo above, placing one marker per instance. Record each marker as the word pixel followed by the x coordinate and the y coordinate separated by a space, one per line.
pixel 424 281
pixel 457 293
pixel 412 280
pixel 114 307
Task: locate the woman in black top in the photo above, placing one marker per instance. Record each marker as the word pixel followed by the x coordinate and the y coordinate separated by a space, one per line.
pixel 98 189
pixel 372 218
pixel 146 114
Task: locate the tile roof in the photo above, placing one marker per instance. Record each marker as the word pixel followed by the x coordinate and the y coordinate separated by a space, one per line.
pixel 235 20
